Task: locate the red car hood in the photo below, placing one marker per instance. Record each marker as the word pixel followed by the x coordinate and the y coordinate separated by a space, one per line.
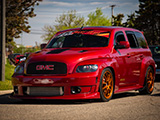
pixel 71 56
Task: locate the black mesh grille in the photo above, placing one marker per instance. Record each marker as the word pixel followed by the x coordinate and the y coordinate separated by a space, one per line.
pixel 43 91
pixel 59 68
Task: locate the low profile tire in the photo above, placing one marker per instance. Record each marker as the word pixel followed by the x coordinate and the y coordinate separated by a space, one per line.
pixel 148 83
pixel 106 85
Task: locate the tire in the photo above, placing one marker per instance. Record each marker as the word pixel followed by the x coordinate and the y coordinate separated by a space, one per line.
pixel 106 87
pixel 148 83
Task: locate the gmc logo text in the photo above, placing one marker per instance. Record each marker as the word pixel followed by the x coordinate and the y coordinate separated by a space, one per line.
pixel 45 67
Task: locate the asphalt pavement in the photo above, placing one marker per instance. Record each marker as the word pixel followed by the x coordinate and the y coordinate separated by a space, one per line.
pixel 125 106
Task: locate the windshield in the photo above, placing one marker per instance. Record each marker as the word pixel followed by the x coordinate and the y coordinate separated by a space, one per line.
pixel 80 39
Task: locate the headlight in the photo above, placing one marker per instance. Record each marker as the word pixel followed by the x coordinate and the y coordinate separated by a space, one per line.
pixel 87 68
pixel 19 69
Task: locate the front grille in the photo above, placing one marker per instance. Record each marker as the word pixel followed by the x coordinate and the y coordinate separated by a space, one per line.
pixel 43 91
pixel 57 68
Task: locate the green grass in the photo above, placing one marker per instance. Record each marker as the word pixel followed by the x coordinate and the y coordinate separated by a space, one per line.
pixel 7 84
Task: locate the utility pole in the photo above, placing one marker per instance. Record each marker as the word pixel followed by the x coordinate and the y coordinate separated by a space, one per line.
pixel 112 6
pixel 22 42
pixel 2 40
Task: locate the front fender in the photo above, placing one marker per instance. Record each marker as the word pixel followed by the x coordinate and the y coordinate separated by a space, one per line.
pixel 102 64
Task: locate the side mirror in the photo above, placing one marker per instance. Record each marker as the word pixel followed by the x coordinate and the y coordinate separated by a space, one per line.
pixel 125 44
pixel 122 44
pixel 43 45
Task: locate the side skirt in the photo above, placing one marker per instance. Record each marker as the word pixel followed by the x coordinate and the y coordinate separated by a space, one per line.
pixel 137 87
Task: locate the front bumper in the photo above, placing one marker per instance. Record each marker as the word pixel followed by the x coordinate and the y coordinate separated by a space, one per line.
pixel 87 82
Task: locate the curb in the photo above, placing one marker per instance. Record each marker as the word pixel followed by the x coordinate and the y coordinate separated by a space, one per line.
pixel 5 92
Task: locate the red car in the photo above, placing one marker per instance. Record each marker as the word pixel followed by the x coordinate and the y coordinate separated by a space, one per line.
pixel 87 63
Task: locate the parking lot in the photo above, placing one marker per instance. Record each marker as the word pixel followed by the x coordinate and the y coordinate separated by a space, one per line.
pixel 124 106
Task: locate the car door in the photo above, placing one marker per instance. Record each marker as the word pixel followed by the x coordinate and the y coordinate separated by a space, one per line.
pixel 137 56
pixel 125 60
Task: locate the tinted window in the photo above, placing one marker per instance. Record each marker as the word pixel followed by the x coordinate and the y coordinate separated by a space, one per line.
pixel 132 39
pixel 119 37
pixel 141 41
pixel 80 40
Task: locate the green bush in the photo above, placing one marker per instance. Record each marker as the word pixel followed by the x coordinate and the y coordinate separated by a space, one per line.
pixel 9 70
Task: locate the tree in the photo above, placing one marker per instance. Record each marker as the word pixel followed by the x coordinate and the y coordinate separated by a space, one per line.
pixel 65 21
pixel 118 20
pixel 130 21
pixel 17 14
pixel 98 19
pixel 10 47
pixel 49 32
pixel 22 49
pixel 71 20
pixel 148 20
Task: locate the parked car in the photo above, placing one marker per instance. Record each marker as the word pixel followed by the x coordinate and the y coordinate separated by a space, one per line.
pixel 13 56
pixel 19 59
pixel 87 63
pixel 155 49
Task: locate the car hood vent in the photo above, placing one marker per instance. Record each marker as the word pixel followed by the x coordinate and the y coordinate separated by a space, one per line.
pixel 57 51
pixel 82 51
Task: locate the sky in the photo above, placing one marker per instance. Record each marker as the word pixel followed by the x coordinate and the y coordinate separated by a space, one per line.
pixel 49 10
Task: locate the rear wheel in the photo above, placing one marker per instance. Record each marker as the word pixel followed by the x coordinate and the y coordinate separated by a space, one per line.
pixel 149 82
pixel 106 85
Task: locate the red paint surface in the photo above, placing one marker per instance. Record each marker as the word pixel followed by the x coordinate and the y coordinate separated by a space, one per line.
pixel 129 67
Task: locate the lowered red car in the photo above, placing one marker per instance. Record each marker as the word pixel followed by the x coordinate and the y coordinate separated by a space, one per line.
pixel 87 63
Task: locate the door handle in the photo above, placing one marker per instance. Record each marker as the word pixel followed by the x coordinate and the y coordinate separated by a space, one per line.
pixel 128 55
pixel 141 56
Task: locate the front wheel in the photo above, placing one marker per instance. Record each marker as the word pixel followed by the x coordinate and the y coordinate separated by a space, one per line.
pixel 106 85
pixel 149 82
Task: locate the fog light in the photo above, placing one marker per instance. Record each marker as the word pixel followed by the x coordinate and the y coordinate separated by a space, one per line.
pixel 16 89
pixel 75 90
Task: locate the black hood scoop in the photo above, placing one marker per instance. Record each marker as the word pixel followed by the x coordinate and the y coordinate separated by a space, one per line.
pixel 82 51
pixel 57 51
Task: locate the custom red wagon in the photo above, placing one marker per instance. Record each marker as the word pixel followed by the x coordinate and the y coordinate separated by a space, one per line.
pixel 87 63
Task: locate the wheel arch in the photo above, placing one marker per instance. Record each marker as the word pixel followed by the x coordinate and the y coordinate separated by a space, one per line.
pixel 107 85
pixel 152 68
pixel 148 83
pixel 113 71
pixel 146 62
pixel 112 64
